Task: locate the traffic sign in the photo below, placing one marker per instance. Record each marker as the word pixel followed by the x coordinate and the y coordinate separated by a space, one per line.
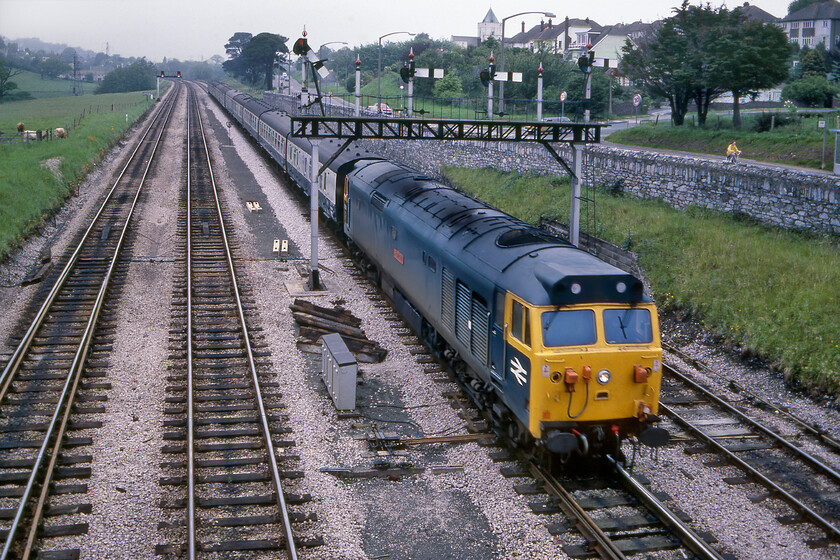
pixel 637 100
pixel 562 96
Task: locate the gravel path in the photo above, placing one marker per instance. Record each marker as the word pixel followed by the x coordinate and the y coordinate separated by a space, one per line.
pixel 462 508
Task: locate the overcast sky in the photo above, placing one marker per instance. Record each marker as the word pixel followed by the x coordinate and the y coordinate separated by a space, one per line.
pixel 198 29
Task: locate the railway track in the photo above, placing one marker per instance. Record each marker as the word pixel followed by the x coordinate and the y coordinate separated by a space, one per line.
pixel 617 515
pixel 613 516
pixel 230 468
pixel 766 443
pixel 52 383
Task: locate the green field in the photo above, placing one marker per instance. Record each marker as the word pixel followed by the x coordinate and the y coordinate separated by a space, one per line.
pixel 29 191
pixel 39 89
pixel 765 291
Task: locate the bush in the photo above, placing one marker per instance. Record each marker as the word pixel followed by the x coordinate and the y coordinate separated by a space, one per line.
pixel 811 91
pixel 763 121
pixel 137 77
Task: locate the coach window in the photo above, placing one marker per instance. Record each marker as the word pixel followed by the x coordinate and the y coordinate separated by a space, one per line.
pixel 520 324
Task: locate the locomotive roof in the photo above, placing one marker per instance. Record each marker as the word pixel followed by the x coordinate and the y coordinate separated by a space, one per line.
pixel 513 254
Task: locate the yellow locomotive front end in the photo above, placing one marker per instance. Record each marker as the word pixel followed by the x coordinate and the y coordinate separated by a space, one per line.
pixel 595 373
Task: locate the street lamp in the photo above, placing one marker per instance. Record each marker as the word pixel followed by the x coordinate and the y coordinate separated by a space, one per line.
pixel 330 43
pixel 502 57
pixel 379 69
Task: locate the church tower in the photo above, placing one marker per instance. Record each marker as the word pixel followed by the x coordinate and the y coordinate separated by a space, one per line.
pixel 489 27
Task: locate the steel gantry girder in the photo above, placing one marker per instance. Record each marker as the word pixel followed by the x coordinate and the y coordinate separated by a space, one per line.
pixel 577 135
pixel 385 128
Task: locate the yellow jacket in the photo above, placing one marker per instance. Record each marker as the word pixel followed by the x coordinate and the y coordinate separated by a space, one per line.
pixel 732 149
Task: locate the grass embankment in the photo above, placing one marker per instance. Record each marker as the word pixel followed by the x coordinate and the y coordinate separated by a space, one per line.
pixel 29 191
pixel 770 292
pixel 796 141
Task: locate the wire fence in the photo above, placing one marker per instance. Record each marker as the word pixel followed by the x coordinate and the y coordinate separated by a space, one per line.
pixel 39 135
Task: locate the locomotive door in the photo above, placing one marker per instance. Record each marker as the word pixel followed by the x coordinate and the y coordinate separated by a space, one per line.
pixel 497 340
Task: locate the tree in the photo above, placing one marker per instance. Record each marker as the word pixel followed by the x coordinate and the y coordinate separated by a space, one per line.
pixel 6 85
pixel 797 5
pixel 700 53
pixel 449 86
pixel 235 44
pixel 749 57
pixel 812 91
pixel 52 67
pixel 260 54
pixel 136 77
pixel 811 63
pixel 68 55
pixel 656 65
pixel 253 58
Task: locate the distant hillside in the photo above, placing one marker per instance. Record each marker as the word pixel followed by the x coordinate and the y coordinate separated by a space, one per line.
pixel 35 45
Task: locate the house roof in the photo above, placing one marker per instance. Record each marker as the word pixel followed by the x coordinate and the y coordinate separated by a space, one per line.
pixel 546 32
pixel 822 10
pixel 755 13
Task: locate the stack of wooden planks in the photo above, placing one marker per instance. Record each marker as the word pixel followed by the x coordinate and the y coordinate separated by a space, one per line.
pixel 315 321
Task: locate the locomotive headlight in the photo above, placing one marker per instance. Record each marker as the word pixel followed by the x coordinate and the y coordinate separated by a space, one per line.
pixel 603 376
pixel 621 287
pixel 575 289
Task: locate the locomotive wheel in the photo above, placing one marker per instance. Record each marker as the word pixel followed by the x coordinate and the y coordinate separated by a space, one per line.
pixel 517 433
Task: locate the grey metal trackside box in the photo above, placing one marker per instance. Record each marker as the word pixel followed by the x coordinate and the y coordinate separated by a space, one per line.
pixel 339 371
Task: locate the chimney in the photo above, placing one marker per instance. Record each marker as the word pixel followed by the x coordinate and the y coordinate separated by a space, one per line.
pixel 567 39
pixel 542 25
pixel 523 27
pixel 550 25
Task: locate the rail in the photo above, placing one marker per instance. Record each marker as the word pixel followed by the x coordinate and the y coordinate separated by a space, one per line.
pixel 57 426
pixel 255 383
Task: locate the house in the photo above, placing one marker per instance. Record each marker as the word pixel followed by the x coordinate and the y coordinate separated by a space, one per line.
pixel 814 24
pixel 757 14
pixel 555 37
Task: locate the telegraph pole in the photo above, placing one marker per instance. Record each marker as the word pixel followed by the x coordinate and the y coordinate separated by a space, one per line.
pixel 585 63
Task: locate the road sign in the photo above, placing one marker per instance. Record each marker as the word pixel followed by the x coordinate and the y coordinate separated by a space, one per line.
pixel 562 96
pixel 637 100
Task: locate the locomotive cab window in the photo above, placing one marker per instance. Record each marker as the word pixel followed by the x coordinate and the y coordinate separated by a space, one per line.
pixel 569 328
pixel 628 326
pixel 520 323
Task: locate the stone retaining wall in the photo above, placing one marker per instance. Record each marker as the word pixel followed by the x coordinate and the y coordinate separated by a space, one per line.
pixel 772 195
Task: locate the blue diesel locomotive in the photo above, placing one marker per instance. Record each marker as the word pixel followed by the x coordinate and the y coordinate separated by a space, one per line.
pixel 560 348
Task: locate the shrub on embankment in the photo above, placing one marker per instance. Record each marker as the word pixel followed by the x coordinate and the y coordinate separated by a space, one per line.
pixel 768 292
pixel 37 177
pixel 794 140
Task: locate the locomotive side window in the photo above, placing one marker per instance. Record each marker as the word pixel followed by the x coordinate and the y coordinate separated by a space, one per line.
pixel 520 326
pixel 627 326
pixel 569 328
